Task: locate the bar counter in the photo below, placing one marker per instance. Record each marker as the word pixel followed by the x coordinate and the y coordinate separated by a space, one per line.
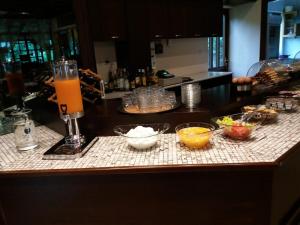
pixel 252 182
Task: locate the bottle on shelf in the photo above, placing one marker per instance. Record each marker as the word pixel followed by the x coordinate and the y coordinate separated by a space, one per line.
pixel 138 79
pixel 121 81
pixel 115 76
pixel 132 81
pixel 106 87
pixel 151 78
pixel 143 78
pixel 118 78
pixel 111 86
pixel 126 80
pixel 155 77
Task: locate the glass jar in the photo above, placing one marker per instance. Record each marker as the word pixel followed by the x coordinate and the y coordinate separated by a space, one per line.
pixel 269 73
pixel 24 131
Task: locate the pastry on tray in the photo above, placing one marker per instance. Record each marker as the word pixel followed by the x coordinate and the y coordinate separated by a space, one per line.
pixel 261 112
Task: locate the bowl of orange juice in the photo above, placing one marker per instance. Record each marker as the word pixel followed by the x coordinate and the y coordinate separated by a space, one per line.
pixel 195 135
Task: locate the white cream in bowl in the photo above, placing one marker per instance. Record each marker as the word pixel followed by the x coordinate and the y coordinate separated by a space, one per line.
pixel 142 137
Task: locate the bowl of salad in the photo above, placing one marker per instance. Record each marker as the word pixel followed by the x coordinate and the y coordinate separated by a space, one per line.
pixel 236 126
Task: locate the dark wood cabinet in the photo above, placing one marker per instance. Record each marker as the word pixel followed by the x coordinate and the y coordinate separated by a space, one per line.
pixel 214 15
pixel 157 19
pixel 154 19
pixel 194 18
pixel 107 19
pixel 134 23
pixel 176 18
pixel 137 38
pixel 199 18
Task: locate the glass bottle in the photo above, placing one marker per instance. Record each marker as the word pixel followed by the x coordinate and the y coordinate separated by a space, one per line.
pixel 132 83
pixel 144 78
pixel 110 78
pixel 138 78
pixel 115 80
pixel 121 81
pixel 126 80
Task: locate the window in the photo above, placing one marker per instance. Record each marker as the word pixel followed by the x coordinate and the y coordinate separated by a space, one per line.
pixel 5 52
pixel 217 49
pixel 25 40
pixel 25 51
pixel 216 52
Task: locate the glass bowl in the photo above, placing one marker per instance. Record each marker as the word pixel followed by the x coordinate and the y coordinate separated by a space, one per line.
pixel 236 126
pixel 194 135
pixel 141 136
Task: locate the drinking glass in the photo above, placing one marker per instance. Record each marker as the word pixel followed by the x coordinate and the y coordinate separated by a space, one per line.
pixel 144 102
pixel 127 101
pixel 24 131
pixel 170 98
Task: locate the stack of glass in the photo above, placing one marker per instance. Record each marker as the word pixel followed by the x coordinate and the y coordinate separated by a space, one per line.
pixel 149 99
pixel 191 95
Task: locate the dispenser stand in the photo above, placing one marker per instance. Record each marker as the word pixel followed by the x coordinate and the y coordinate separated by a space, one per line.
pixel 74 145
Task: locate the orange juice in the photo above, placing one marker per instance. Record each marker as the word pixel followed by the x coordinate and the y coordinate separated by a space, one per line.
pixel 68 93
pixel 195 137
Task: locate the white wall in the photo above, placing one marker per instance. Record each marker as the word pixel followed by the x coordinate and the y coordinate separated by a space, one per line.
pixel 105 51
pixel 291 46
pixel 183 56
pixel 244 43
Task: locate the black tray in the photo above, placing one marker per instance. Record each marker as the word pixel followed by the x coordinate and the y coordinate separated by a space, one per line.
pixel 66 153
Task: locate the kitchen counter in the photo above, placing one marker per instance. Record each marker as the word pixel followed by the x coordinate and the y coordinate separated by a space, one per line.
pixel 202 76
pixel 267 147
pixel 255 182
pixel 110 154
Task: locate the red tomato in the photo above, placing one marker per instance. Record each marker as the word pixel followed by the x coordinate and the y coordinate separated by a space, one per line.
pixel 240 132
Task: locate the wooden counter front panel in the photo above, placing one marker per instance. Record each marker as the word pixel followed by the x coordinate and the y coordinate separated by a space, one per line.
pixel 209 198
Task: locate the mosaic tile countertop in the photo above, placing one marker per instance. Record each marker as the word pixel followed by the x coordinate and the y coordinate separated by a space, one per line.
pixel 267 144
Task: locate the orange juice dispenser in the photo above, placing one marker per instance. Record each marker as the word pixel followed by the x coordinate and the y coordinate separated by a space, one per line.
pixel 67 88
